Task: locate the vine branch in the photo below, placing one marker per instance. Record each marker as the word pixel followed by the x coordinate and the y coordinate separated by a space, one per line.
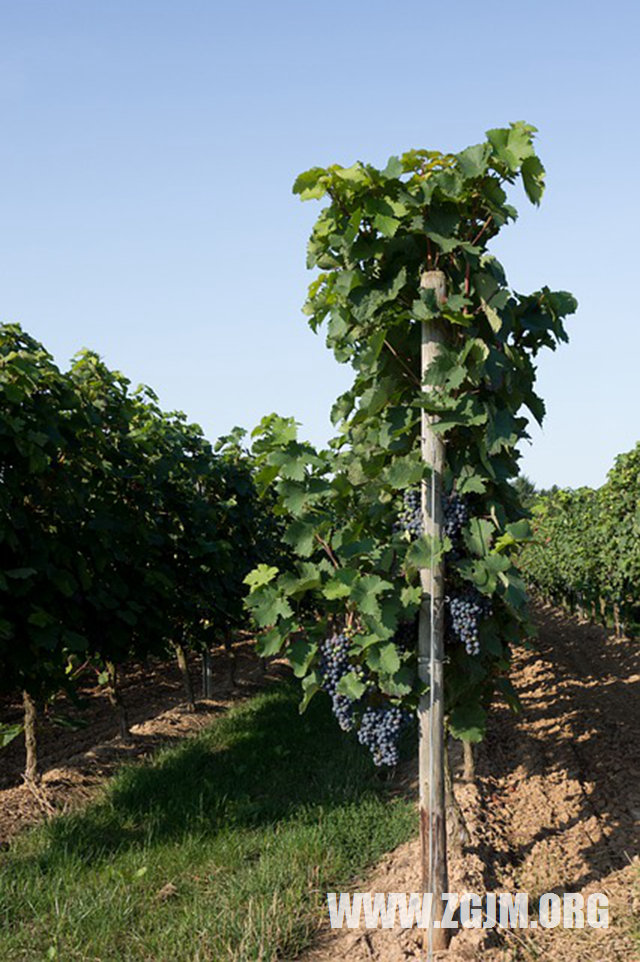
pixel 403 363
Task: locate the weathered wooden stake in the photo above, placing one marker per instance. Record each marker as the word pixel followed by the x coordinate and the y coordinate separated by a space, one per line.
pixel 433 831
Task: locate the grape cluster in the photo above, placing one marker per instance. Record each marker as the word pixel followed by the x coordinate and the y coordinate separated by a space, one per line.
pixel 334 665
pixel 334 661
pixel 342 708
pixel 410 517
pixel 380 730
pixel 410 520
pixel 465 611
pixel 456 515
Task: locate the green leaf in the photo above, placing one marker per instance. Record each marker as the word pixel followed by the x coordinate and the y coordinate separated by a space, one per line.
pixel 389 660
pixel 365 591
pixel 400 684
pixel 8 733
pixel 310 685
pixel 21 574
pixel 64 581
pixel 473 161
pixel 393 169
pixel 468 722
pixel 351 686
pixel 339 586
pixel 267 606
pixel 356 174
pixel 533 178
pixel 515 593
pixel 492 316
pixel 484 572
pixel 470 482
pixel 516 533
pixel 478 536
pixel 312 184
pixel 403 472
pixel 300 654
pixel 307 577
pixel 262 575
pixel 446 244
pixel 294 496
pixel 40 618
pixel 63 720
pixel 425 552
pixel 509 693
pixel 270 642
pixel 301 536
pixel 411 595
pixel 367 301
pixel 386 225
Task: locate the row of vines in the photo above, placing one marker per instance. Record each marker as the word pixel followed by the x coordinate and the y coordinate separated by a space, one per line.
pixel 585 552
pixel 123 533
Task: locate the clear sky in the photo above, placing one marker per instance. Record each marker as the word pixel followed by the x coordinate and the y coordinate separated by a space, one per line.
pixel 147 153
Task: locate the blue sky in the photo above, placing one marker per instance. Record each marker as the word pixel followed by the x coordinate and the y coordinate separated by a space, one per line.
pixel 147 155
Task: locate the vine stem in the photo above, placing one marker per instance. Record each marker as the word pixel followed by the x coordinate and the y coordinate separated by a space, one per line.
pixel 334 561
pixel 402 362
pixel 482 229
pixel 31 772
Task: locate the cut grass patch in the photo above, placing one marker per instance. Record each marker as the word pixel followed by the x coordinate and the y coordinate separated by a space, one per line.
pixel 219 850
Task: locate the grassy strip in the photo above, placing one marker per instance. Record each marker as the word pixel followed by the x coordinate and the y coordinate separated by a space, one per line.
pixel 220 850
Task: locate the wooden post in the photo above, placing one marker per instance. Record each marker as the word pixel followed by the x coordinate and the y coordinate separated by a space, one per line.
pixel 31 773
pixel 207 674
pixel 433 831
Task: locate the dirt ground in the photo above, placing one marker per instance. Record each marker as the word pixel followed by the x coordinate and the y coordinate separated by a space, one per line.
pixel 76 763
pixel 555 808
pixel 555 805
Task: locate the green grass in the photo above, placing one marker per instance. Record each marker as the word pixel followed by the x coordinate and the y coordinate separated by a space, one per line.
pixel 252 821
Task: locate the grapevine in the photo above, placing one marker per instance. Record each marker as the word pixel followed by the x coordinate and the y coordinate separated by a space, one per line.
pixel 352 511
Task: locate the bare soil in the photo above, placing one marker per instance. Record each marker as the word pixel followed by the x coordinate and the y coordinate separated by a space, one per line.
pixel 555 807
